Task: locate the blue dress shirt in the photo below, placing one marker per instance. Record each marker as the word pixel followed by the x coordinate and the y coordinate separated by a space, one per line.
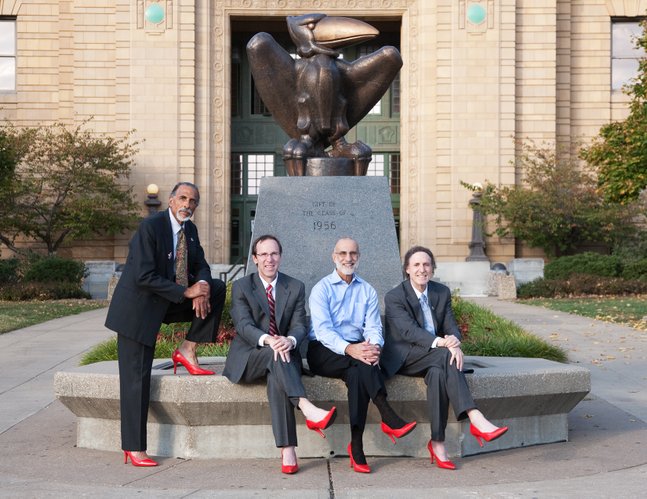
pixel 344 313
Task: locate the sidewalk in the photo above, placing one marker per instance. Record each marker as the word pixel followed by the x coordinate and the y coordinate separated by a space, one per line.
pixel 605 457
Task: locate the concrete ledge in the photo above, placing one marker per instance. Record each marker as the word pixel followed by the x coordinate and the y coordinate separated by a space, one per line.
pixel 209 417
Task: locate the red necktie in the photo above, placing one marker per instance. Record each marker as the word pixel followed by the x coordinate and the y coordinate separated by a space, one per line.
pixel 270 300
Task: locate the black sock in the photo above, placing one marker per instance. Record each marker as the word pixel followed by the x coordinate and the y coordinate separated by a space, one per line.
pixel 387 413
pixel 357 446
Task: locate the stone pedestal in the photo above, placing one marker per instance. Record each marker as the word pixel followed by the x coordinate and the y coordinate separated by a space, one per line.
pixel 309 214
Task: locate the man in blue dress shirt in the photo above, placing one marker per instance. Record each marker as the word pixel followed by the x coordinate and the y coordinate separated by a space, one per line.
pixel 346 342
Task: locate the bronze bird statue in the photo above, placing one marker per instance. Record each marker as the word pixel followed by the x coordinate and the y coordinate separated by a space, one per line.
pixel 318 97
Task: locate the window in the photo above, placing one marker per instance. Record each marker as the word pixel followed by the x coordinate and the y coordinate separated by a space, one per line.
pixel 7 55
pixel 387 165
pixel 247 170
pixel 624 53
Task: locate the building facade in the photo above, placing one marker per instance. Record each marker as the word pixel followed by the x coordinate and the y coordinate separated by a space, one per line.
pixel 478 76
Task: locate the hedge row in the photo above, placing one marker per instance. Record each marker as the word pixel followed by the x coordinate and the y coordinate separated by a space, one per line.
pixel 41 278
pixel 597 265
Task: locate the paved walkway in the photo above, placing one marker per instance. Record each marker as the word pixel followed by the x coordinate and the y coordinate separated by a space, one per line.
pixel 606 455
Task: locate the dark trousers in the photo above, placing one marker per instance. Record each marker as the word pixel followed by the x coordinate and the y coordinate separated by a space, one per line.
pixel 284 388
pixel 363 382
pixel 445 384
pixel 136 362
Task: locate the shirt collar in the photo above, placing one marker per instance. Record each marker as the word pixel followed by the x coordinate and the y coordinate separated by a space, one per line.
pixel 336 279
pixel 418 293
pixel 175 225
pixel 273 283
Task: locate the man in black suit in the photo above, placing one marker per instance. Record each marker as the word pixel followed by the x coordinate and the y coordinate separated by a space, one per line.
pixel 423 339
pixel 268 310
pixel 166 279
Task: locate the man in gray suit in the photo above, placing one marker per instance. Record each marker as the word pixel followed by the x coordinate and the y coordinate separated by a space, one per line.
pixel 166 279
pixel 268 310
pixel 423 339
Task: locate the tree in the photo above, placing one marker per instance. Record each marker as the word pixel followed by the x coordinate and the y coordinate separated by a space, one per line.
pixel 68 184
pixel 620 150
pixel 558 208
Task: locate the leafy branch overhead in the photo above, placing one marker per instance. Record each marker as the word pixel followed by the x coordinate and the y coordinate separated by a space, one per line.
pixel 63 184
pixel 620 150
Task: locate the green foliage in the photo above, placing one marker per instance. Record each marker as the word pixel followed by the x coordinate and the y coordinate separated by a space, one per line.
pixel 620 150
pixel 55 269
pixel 9 271
pixel 558 208
pixel 636 269
pixel 67 185
pixel 584 263
pixel 24 291
pixel 489 335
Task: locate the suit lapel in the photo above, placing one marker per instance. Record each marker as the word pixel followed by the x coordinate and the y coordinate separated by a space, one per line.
pixel 167 237
pixel 433 303
pixel 260 294
pixel 282 295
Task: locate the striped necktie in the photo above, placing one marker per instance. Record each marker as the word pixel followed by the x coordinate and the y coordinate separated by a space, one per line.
pixel 270 300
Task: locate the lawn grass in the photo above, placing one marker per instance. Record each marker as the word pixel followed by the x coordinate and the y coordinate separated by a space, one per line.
pixel 486 334
pixel 628 310
pixel 168 339
pixel 16 315
pixel 483 332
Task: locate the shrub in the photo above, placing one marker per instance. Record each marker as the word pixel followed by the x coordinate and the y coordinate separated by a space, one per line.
pixel 584 263
pixel 635 270
pixel 55 269
pixel 9 271
pixel 539 288
pixel 23 291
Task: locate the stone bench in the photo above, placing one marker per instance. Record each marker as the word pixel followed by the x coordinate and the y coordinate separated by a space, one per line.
pixel 209 417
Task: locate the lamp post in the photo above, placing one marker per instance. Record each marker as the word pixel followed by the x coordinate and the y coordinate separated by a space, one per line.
pixel 477 244
pixel 152 202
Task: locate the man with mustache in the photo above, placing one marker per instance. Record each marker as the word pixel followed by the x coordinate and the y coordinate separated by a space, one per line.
pixel 346 342
pixel 166 279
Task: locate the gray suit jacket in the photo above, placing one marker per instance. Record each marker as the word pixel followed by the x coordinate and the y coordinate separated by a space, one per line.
pixel 251 315
pixel 405 322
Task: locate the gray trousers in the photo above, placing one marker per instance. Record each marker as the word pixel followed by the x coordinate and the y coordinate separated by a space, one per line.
pixel 284 388
pixel 445 384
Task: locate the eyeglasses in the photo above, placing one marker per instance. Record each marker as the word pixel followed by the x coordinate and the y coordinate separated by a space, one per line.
pixel 344 254
pixel 263 256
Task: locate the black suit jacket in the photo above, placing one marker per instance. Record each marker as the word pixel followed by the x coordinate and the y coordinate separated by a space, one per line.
pixel 251 315
pixel 147 285
pixel 405 322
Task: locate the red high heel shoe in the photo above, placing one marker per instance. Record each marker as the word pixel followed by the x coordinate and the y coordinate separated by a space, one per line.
pixel 446 465
pixel 288 469
pixel 178 358
pixel 358 468
pixel 480 436
pixel 327 421
pixel 136 461
pixel 398 432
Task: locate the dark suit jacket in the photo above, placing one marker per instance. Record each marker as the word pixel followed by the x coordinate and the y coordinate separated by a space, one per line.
pixel 147 285
pixel 405 322
pixel 251 315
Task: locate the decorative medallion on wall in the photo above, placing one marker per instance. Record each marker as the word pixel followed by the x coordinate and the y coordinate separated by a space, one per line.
pixel 155 16
pixel 476 16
